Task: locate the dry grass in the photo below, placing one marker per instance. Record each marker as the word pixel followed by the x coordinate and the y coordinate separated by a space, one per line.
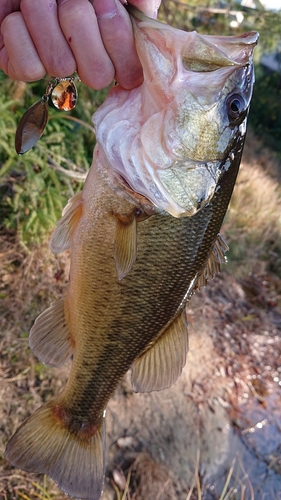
pixel 253 223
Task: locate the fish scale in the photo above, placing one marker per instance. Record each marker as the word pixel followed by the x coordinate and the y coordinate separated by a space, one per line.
pixel 176 248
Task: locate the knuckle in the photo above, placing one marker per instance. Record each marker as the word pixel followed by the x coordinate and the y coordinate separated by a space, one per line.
pixel 33 73
pixel 28 74
pixel 120 37
pixel 61 67
pixel 10 22
pixel 98 79
pixel 73 11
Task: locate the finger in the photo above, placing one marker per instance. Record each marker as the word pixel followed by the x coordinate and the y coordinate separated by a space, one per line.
pixel 148 7
pixel 80 27
pixel 117 35
pixel 18 56
pixel 41 19
pixel 7 7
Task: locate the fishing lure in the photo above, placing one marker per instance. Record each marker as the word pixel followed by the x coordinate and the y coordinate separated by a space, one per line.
pixel 64 95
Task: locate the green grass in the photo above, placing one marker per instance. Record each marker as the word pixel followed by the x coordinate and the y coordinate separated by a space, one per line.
pixel 265 112
pixel 35 187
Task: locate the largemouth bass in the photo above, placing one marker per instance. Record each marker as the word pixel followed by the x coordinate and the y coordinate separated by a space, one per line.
pixel 144 234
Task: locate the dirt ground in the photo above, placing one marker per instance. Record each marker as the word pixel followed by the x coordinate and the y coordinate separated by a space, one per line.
pixel 165 445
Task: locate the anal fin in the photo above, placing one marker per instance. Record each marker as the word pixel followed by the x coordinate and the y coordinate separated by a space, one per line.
pixel 213 263
pixel 49 338
pixel 125 251
pixel 61 237
pixel 160 366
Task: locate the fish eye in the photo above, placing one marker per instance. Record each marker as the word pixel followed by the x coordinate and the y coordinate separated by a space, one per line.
pixel 236 105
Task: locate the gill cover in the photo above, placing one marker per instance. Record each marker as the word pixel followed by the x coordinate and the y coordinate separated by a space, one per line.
pixel 170 138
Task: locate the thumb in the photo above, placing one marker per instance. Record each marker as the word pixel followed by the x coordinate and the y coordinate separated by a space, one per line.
pixel 148 7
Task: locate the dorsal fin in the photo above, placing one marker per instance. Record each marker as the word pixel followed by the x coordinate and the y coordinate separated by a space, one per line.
pixel 160 366
pixel 49 337
pixel 125 251
pixel 61 237
pixel 214 261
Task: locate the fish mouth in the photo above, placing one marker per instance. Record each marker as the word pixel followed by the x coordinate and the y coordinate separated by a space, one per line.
pixel 171 137
pixel 199 53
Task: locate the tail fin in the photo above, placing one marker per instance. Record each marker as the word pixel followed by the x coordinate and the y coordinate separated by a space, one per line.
pixel 75 460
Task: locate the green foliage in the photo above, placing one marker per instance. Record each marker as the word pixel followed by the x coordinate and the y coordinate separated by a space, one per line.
pixel 33 191
pixel 265 113
pixel 226 17
pixel 36 201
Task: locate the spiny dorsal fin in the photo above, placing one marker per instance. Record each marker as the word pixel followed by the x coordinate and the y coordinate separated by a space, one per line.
pixel 61 237
pixel 125 251
pixel 212 266
pixel 51 442
pixel 162 364
pixel 49 337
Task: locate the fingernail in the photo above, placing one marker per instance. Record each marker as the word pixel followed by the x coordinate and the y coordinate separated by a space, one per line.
pixel 155 12
pixel 105 9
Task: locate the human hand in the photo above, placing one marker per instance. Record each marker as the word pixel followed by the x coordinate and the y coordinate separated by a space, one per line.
pixel 60 37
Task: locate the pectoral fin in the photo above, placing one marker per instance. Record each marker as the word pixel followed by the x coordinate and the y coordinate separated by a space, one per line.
pixel 161 366
pixel 125 244
pixel 214 261
pixel 61 237
pixel 49 337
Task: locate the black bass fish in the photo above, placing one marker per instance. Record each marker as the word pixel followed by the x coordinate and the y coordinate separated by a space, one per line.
pixel 144 234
